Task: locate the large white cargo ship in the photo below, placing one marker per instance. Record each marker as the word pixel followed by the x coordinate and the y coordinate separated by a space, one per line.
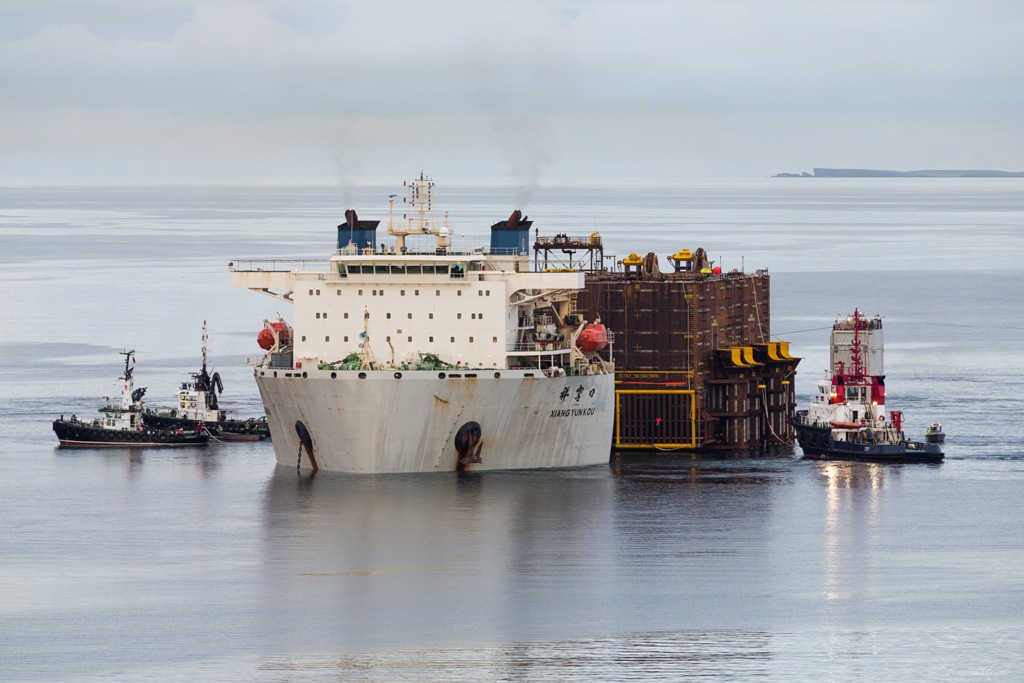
pixel 420 356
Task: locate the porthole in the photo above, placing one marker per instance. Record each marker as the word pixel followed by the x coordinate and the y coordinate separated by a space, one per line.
pixel 362 375
pixel 304 375
pixel 334 375
pixel 497 375
pixel 398 375
pixel 440 375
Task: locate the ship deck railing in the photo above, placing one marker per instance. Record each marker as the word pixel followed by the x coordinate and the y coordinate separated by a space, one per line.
pixel 534 347
pixel 278 265
pixel 475 250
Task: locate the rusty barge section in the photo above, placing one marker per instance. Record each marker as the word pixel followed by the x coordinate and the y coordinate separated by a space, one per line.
pixel 696 365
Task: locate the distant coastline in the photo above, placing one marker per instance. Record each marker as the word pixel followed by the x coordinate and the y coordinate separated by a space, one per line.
pixel 873 173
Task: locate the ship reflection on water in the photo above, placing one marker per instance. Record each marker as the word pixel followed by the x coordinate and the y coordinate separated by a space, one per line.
pixel 651 656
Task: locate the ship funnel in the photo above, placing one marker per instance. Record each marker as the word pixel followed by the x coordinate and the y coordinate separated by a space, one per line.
pixel 511 236
pixel 362 234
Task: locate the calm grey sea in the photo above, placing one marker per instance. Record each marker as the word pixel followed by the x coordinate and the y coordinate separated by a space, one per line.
pixel 215 564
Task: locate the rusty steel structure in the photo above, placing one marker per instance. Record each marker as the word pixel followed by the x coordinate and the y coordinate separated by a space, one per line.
pixel 696 365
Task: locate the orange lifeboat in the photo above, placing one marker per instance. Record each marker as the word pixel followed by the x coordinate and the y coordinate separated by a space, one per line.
pixel 266 336
pixel 594 337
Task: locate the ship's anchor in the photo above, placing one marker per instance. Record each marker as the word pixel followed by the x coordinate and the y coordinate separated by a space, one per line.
pixel 305 441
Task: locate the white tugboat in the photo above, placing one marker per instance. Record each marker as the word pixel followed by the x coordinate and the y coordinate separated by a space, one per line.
pixel 198 405
pixel 846 417
pixel 421 357
pixel 121 424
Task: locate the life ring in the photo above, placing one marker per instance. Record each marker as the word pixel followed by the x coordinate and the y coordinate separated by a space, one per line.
pixel 192 404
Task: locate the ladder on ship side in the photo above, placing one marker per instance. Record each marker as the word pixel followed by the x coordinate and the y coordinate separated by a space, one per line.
pixel 696 383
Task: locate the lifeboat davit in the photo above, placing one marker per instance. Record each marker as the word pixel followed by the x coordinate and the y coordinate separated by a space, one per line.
pixel 266 336
pixel 594 337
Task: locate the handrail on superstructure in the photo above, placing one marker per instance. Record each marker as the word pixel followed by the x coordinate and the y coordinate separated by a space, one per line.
pixel 250 265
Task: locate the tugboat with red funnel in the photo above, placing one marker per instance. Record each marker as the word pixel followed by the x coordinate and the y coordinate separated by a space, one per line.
pixel 846 417
pixel 122 424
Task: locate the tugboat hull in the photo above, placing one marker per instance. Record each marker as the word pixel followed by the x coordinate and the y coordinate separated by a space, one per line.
pixel 81 435
pixel 226 430
pixel 819 443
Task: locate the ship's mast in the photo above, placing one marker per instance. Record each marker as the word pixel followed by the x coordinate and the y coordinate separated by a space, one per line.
pixel 126 391
pixel 205 340
pixel 418 219
pixel 858 363
pixel 367 360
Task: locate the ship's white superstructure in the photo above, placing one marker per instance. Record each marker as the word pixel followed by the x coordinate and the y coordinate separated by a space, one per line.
pixel 424 357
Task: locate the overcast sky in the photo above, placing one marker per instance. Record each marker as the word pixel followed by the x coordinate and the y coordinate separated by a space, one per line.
pixel 521 88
